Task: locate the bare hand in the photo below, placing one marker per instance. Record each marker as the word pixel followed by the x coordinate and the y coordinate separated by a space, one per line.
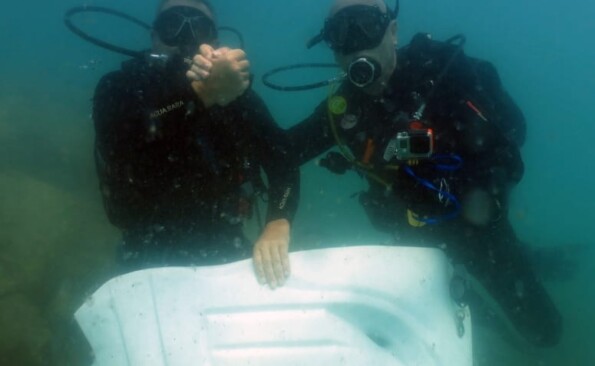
pixel 219 76
pixel 201 64
pixel 271 254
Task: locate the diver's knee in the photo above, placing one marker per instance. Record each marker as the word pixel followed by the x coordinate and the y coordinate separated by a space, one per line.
pixel 550 332
pixel 554 334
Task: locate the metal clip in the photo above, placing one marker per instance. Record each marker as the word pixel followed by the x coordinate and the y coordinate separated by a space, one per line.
pixel 444 187
pixel 460 320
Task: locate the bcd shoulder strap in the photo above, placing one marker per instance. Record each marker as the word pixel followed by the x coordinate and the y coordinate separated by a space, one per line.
pixel 425 59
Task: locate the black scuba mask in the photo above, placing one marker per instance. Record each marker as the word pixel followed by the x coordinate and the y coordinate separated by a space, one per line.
pixel 185 26
pixel 354 28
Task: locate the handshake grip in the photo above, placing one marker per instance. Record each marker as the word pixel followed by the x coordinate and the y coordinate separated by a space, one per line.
pixel 335 162
pixel 219 76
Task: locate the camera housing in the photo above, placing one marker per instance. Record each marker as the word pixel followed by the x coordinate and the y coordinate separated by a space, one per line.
pixel 411 145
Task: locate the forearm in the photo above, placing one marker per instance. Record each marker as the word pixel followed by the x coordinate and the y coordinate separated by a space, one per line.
pixel 284 192
pixel 311 137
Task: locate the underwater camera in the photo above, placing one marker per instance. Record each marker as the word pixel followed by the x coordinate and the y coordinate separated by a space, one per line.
pixel 409 145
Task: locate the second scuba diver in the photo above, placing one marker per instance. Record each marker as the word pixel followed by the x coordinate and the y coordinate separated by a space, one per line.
pixel 438 138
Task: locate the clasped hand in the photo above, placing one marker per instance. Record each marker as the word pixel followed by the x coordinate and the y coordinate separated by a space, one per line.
pixel 219 76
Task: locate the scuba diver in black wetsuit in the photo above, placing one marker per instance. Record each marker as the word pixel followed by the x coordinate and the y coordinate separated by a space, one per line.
pixel 438 138
pixel 180 141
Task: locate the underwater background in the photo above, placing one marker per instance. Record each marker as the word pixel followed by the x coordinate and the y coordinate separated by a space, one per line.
pixel 56 245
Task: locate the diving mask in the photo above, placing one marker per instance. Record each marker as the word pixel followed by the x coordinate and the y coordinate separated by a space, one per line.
pixel 184 26
pixel 354 28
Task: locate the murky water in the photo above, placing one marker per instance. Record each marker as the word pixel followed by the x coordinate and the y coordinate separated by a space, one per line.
pixel 56 244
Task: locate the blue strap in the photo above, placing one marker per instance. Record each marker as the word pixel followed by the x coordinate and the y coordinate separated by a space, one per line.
pixel 443 164
pixel 448 163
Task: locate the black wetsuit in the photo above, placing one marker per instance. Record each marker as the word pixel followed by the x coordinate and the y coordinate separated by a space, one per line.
pixel 477 126
pixel 178 179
